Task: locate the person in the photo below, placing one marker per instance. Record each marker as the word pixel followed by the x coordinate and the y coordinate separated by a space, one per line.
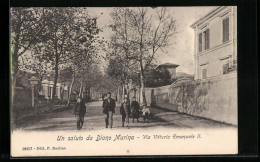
pixel 135 109
pixel 145 112
pixel 125 111
pixel 109 109
pixel 79 112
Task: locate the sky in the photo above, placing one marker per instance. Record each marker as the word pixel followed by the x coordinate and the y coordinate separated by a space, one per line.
pixel 182 52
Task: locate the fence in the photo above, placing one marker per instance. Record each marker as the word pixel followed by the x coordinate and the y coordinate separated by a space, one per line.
pixel 22 97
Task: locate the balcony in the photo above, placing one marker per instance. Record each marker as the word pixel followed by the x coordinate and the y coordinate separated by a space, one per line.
pixel 230 67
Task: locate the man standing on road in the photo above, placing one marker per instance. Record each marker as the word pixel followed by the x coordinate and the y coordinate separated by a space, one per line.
pixel 125 111
pixel 135 109
pixel 109 109
pixel 79 112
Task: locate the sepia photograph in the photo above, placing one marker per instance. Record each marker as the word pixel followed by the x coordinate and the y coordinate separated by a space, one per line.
pixel 109 81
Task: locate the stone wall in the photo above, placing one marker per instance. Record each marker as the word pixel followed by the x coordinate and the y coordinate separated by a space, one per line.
pixel 22 97
pixel 214 98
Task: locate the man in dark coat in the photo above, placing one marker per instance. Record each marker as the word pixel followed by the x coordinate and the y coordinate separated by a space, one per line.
pixel 79 112
pixel 109 109
pixel 125 111
pixel 135 109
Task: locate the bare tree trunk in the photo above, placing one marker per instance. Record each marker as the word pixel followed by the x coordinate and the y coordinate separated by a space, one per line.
pixel 15 63
pixel 142 89
pixel 81 89
pixel 13 93
pixel 123 93
pixel 134 93
pixel 15 72
pixel 70 90
pixel 56 75
pixel 14 78
pixel 118 94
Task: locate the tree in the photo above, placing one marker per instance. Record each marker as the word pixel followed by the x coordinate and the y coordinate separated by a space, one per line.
pixel 83 43
pixel 68 41
pixel 122 63
pixel 123 70
pixel 157 78
pixel 27 25
pixel 55 38
pixel 143 33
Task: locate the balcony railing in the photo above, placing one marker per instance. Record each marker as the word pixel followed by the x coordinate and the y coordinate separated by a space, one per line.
pixel 233 66
pixel 230 67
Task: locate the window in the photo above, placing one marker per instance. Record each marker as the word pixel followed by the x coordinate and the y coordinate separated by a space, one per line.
pixel 206 35
pixel 204 40
pixel 226 63
pixel 200 42
pixel 225 68
pixel 225 29
pixel 204 73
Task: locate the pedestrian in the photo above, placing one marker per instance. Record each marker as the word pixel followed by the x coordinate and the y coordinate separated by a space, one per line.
pixel 146 112
pixel 109 109
pixel 135 107
pixel 125 111
pixel 79 112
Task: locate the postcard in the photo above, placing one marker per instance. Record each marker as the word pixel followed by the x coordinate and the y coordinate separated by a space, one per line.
pixel 123 81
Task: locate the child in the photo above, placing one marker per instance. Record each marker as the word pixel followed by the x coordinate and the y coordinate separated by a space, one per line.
pixel 146 112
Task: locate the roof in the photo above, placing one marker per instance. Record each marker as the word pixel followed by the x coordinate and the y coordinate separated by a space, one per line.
pixel 168 65
pixel 208 15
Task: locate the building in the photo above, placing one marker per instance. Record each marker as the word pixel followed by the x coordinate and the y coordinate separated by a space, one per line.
pixel 47 90
pixel 215 51
pixel 170 67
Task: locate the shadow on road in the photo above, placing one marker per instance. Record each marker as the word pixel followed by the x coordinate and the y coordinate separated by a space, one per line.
pixel 63 119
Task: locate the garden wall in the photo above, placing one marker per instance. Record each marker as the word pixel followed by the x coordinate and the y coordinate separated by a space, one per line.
pixel 22 97
pixel 214 98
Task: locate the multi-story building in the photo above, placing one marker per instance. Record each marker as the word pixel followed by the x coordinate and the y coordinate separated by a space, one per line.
pixel 215 51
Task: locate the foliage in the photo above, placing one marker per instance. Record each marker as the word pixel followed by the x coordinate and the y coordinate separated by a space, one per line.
pixel 27 25
pixel 139 34
pixel 69 42
pixel 157 78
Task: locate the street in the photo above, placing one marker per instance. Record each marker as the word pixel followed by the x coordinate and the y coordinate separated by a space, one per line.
pixel 94 120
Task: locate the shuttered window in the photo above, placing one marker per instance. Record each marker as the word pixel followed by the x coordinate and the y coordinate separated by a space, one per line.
pixel 225 68
pixel 200 42
pixel 225 25
pixel 204 40
pixel 204 73
pixel 206 34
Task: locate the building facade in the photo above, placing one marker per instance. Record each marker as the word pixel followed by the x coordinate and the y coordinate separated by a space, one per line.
pixel 215 43
pixel 47 90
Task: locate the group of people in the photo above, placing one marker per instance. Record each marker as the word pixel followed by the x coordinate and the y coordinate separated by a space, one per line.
pixel 109 105
pixel 125 110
